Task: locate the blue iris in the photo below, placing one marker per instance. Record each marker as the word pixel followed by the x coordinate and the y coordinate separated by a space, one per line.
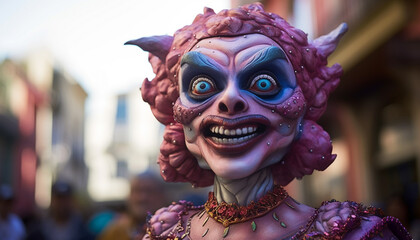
pixel 202 87
pixel 263 84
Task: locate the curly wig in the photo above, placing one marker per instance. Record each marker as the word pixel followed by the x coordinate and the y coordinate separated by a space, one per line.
pixel 312 150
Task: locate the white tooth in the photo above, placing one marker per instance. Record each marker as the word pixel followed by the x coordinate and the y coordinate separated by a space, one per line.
pixel 214 139
pixel 221 130
pixel 254 129
pixel 235 140
pixel 241 139
pixel 224 140
pixel 238 131
pixel 249 129
pixel 227 132
pixel 244 130
pixel 232 132
pixel 212 129
pixel 216 129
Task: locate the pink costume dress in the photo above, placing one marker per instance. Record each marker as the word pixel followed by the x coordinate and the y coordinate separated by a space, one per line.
pixel 333 220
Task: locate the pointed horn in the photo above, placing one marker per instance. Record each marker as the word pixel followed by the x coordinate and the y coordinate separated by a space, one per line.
pixel 326 44
pixel 156 45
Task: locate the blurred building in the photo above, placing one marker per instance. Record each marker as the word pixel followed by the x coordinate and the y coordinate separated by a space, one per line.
pixel 123 139
pixel 41 129
pixel 19 100
pixel 373 116
pixel 376 106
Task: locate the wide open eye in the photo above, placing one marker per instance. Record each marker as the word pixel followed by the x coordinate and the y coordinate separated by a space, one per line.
pixel 202 87
pixel 264 85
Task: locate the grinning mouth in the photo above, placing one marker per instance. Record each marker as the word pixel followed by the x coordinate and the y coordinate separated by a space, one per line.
pixel 224 135
pixel 234 135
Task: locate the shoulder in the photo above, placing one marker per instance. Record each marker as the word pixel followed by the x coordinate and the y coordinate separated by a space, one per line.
pixel 350 220
pixel 169 222
pixel 381 228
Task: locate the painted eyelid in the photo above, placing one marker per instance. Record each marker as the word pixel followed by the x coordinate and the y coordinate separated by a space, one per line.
pixel 189 72
pixel 250 74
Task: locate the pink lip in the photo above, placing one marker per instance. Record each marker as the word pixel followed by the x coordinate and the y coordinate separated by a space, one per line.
pixel 246 131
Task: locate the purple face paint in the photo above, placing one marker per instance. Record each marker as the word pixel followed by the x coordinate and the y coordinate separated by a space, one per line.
pixel 239 86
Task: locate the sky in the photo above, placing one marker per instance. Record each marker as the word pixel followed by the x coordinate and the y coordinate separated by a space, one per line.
pixel 86 37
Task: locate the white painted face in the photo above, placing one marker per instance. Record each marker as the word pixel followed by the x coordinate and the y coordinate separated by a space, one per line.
pixel 239 80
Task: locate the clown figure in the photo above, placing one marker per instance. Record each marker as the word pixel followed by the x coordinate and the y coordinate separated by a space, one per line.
pixel 240 93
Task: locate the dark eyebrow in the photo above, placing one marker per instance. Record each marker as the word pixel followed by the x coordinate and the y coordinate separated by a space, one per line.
pixel 264 56
pixel 199 60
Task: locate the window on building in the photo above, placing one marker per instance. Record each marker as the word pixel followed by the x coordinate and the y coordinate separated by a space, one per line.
pixel 121 109
pixel 122 169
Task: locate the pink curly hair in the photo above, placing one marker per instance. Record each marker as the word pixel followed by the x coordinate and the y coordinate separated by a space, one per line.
pixel 312 150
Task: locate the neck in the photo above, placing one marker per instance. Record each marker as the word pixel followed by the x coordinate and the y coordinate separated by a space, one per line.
pixel 243 191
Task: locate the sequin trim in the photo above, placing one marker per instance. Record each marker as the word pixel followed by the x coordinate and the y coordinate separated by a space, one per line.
pixel 392 224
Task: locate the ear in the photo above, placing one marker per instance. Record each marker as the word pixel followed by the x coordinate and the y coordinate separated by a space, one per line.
pixel 156 45
pixel 326 44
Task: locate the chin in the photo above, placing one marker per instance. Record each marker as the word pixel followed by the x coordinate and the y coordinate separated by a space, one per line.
pixel 233 171
pixel 243 165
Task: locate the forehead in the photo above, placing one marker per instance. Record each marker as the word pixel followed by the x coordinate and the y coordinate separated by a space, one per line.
pixel 233 50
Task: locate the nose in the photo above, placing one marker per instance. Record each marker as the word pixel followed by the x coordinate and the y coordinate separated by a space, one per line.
pixel 231 101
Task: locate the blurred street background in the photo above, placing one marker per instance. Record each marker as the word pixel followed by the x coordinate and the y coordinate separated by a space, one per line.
pixel 71 110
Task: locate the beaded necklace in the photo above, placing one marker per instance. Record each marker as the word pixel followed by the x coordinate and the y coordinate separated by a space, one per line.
pixel 231 213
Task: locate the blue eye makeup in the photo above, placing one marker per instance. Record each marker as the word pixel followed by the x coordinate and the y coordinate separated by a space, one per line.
pixel 198 74
pixel 265 75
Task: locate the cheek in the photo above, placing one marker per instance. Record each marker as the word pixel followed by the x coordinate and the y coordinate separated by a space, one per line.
pixel 285 117
pixel 183 114
pixel 190 133
pixel 287 127
pixel 190 118
pixel 283 130
pixel 294 107
pixel 186 114
pixel 291 109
